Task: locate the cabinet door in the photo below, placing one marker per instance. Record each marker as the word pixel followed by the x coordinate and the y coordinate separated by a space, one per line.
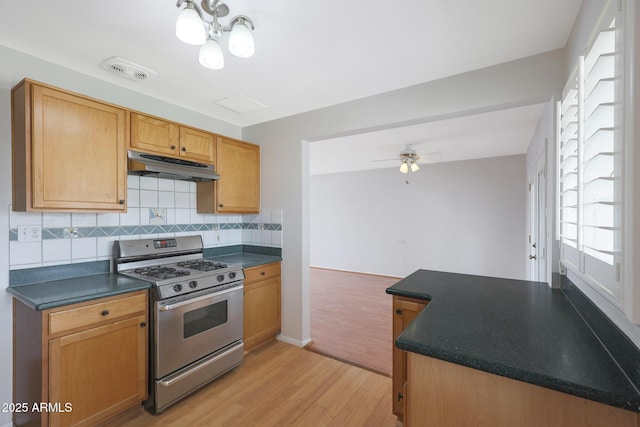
pixel 197 145
pixel 404 311
pixel 238 189
pixel 261 311
pixel 153 135
pixel 78 153
pixel 100 371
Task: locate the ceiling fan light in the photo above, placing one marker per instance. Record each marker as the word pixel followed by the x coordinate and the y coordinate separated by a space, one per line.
pixel 189 27
pixel 404 168
pixel 241 42
pixel 211 55
pixel 414 167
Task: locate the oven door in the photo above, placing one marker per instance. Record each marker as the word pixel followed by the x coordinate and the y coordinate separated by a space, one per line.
pixel 190 327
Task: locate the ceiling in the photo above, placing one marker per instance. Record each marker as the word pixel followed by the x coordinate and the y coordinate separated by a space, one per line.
pixel 309 54
pixel 493 134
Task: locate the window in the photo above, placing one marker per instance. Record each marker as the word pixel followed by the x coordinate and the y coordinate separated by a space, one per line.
pixel 590 165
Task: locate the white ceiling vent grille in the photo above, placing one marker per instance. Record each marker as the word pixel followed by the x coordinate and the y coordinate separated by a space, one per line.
pixel 123 68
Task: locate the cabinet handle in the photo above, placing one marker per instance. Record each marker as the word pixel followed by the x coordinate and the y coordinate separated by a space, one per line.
pixel 121 201
pixel 221 205
pixel 143 324
pixel 400 396
pixel 173 147
pixel 184 148
pixel 105 313
pixel 262 273
pixel 398 311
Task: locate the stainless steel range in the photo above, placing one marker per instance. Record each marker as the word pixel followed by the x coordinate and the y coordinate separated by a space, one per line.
pixel 196 314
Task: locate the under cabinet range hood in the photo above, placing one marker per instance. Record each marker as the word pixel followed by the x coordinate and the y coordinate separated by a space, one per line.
pixel 168 167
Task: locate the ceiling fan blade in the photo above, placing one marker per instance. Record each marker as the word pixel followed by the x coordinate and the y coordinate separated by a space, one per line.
pixel 385 160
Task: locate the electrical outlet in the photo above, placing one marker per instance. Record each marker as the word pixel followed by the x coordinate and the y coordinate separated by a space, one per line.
pixel 70 233
pixel 29 233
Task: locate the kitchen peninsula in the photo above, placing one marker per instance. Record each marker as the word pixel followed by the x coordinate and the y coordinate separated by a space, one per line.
pixel 501 351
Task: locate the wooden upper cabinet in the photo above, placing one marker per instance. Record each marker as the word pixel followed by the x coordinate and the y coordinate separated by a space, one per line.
pixel 149 134
pixel 68 151
pixel 238 189
pixel 157 136
pixel 197 145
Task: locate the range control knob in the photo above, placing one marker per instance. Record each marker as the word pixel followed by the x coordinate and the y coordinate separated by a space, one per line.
pixel 220 277
pixel 232 275
pixel 177 287
pixel 193 284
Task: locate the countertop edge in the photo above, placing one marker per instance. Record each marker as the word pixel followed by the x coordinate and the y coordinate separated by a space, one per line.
pixel 523 375
pixel 134 286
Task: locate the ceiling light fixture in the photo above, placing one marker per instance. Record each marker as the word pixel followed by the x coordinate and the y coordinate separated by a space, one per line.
pixel 203 29
pixel 409 161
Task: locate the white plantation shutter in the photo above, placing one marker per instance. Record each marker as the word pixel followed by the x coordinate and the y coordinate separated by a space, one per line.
pixel 599 148
pixel 590 165
pixel 569 173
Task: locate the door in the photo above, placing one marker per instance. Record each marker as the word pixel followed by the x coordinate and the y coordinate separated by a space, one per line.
pixel 537 251
pixel 197 145
pixel 98 372
pixel 404 311
pixel 154 135
pixel 193 326
pixel 78 153
pixel 238 189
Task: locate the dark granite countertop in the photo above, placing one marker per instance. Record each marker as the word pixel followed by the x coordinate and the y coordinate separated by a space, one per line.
pixel 58 293
pixel 246 259
pixel 513 328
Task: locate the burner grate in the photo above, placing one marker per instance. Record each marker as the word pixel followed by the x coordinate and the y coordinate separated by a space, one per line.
pixel 161 272
pixel 202 265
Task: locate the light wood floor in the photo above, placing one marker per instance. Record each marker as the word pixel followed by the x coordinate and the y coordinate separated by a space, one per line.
pixel 351 318
pixel 282 385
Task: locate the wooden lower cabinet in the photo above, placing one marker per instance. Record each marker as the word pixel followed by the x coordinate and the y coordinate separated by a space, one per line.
pixel 404 311
pixel 441 393
pixel 261 304
pixel 83 363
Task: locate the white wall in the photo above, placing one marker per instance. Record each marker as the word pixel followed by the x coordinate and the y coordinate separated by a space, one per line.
pixel 464 217
pixel 6 316
pixel 285 171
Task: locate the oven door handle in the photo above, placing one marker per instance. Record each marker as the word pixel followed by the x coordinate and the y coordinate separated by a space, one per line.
pixel 169 382
pixel 167 307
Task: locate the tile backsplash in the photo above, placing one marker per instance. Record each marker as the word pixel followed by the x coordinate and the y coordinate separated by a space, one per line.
pixel 156 208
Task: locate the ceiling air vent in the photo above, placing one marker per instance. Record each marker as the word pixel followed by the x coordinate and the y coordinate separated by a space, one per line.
pixel 127 69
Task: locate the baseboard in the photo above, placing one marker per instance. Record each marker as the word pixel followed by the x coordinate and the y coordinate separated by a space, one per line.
pixel 292 341
pixel 354 272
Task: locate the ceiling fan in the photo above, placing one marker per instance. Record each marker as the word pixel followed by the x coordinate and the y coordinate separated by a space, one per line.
pixel 409 159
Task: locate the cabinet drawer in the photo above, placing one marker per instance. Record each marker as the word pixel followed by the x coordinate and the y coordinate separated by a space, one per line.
pixel 261 272
pixel 88 315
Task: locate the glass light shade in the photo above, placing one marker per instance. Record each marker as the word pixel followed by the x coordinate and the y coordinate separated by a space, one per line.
pixel 189 27
pixel 414 167
pixel 404 168
pixel 211 55
pixel 241 40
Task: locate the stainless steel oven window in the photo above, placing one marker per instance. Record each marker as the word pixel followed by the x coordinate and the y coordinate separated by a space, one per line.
pixel 204 318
